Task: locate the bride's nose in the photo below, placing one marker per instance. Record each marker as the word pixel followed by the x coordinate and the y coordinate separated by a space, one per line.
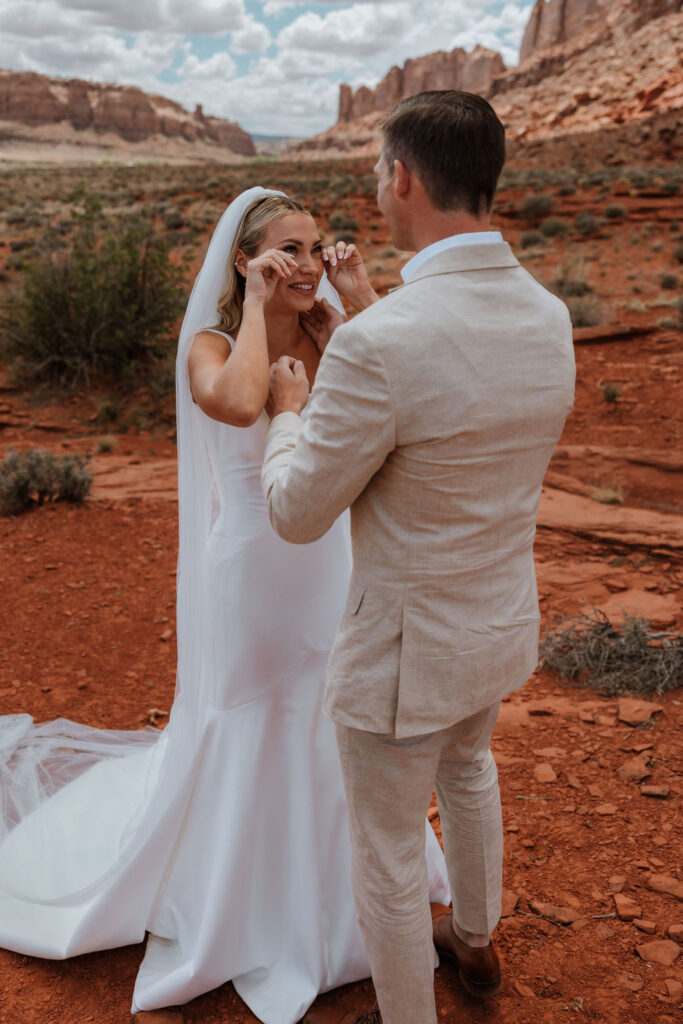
pixel 306 263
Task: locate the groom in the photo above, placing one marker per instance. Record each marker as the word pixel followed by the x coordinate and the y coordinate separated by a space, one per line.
pixel 433 417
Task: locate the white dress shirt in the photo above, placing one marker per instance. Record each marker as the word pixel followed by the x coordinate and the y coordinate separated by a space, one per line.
pixel 453 241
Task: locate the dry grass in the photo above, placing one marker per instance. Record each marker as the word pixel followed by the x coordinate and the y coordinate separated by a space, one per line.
pixel 589 650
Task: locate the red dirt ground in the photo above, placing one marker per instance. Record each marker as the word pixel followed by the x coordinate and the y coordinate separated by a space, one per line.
pixel 90 635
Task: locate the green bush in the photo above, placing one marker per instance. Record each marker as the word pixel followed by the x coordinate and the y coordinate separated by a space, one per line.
pixel 615 211
pixel 535 206
pixel 611 392
pixel 529 238
pixel 340 221
pixel 668 282
pixel 108 306
pixel 36 476
pixel 553 227
pixel 571 281
pixel 586 222
pixel 585 311
pixel 344 236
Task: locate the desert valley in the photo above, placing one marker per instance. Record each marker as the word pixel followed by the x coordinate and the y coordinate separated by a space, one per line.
pixel 591 201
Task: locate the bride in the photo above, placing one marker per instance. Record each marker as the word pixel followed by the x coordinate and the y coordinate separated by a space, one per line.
pixel 225 836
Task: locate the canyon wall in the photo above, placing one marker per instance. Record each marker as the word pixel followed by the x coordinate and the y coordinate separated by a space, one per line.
pixel 33 100
pixel 555 22
pixel 473 72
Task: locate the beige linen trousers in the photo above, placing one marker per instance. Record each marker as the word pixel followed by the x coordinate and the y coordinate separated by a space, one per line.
pixel 433 418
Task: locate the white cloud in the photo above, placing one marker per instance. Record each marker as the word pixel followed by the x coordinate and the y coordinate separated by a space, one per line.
pixel 360 30
pixel 275 67
pixel 253 37
pixel 218 67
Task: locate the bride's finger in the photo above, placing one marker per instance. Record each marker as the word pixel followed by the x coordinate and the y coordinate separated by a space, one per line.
pixel 273 261
pixel 330 255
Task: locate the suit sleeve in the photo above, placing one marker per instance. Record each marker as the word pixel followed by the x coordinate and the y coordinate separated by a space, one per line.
pixel 312 471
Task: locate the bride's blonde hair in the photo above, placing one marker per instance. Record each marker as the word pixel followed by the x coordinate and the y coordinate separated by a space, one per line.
pixel 248 238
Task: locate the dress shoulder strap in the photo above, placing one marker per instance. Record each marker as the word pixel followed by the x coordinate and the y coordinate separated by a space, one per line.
pixel 214 330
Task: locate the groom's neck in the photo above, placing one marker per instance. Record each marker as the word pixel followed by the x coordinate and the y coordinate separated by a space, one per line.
pixel 431 225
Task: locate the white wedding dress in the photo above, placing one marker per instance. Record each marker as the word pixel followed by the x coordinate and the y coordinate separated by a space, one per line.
pixel 225 837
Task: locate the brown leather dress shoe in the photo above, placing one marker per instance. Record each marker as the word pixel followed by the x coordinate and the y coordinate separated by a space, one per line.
pixel 479 969
pixel 334 1017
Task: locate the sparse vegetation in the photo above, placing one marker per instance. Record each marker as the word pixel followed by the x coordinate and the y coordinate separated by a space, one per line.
pixel 591 651
pixel 340 221
pixel 585 311
pixel 535 206
pixel 107 307
pixel 553 227
pixel 571 281
pixel 586 223
pixel 615 211
pixel 668 281
pixel 530 238
pixel 35 476
pixel 678 254
pixel 611 392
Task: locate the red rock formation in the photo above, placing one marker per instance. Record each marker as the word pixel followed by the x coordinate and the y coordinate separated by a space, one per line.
pixel 621 69
pixel 32 100
pixel 473 72
pixel 555 22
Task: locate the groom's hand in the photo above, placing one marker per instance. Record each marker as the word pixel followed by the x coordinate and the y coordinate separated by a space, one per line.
pixel 288 387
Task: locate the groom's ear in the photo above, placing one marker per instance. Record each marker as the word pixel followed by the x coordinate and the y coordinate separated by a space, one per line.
pixel 402 179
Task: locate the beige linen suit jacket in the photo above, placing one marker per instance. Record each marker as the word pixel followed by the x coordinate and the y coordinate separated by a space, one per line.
pixel 433 417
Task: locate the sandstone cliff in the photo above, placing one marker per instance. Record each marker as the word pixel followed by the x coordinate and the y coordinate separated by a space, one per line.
pixel 613 63
pixel 32 101
pixel 473 72
pixel 555 22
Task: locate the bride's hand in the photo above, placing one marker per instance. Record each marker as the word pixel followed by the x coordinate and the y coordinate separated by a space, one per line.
pixel 321 322
pixel 264 272
pixel 346 271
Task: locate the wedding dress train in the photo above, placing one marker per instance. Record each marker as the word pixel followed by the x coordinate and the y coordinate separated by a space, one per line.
pixel 225 837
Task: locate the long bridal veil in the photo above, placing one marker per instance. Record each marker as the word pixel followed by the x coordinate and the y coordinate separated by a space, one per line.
pixel 80 806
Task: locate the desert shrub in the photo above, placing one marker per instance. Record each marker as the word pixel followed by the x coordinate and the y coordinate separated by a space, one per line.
pixel 36 476
pixel 679 307
pixel 566 190
pixel 344 236
pixel 340 221
pixel 106 443
pixel 529 238
pixel 173 220
pixel 591 651
pixel 553 227
pixel 614 211
pixel 678 254
pixel 106 307
pixel 668 282
pixel 586 223
pixel 611 392
pixel 535 206
pixel 571 281
pixel 639 177
pixel 585 311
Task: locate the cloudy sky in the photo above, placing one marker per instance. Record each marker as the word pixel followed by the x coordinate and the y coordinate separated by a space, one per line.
pixel 272 65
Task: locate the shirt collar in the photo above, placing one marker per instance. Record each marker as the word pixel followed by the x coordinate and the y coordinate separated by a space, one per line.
pixel 453 242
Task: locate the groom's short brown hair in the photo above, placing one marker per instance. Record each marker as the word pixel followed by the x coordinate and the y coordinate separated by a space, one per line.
pixel 455 144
